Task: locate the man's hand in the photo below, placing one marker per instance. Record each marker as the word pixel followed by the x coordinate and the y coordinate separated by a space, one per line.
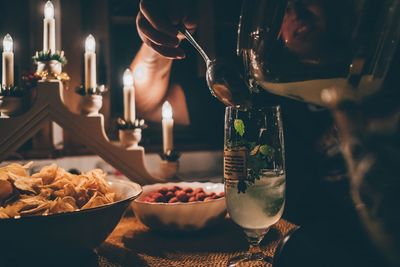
pixel 158 22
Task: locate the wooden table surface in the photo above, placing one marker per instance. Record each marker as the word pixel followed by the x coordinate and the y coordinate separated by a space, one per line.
pixel 133 244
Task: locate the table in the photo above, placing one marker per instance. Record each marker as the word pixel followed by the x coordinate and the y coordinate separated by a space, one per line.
pixel 133 244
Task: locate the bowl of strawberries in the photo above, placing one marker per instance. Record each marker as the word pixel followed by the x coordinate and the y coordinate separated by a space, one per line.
pixel 186 206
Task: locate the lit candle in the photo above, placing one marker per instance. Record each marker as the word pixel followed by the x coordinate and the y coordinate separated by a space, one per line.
pixel 90 63
pixel 129 97
pixel 8 62
pixel 49 28
pixel 167 127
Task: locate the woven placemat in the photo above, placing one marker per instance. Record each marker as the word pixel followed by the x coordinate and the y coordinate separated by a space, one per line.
pixel 133 244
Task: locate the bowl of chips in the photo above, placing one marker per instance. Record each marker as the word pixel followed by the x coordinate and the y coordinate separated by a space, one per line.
pixel 181 206
pixel 54 210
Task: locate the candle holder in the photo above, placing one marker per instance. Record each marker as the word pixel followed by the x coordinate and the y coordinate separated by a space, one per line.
pixel 48 105
pixel 91 99
pixel 49 66
pixel 170 156
pixel 130 133
pixel 11 101
pixel 169 164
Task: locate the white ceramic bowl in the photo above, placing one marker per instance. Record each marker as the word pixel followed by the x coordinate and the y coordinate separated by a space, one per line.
pixel 189 216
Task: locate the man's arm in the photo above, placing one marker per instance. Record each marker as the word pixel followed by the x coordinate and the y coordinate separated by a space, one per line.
pixel 157 23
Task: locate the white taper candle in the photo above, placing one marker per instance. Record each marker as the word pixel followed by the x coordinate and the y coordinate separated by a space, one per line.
pixel 167 127
pixel 8 62
pixel 90 63
pixel 129 97
pixel 49 28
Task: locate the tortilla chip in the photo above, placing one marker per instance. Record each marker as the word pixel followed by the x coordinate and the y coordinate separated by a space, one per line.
pixel 51 190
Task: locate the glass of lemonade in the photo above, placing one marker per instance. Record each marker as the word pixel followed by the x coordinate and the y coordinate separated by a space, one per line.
pixel 254 173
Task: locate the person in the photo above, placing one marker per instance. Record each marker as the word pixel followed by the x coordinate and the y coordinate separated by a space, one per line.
pixel 328 189
pixel 160 80
pixel 161 45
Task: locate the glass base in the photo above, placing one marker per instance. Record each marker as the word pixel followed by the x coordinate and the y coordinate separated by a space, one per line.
pixel 257 258
pixel 254 254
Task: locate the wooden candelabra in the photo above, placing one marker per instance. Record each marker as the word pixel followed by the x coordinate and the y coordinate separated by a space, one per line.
pixel 48 105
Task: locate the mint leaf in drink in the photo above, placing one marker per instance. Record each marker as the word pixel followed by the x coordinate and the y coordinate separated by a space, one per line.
pixel 257 163
pixel 239 126
pixel 273 206
pixel 258 158
pixel 267 150
pixel 242 186
pixel 254 150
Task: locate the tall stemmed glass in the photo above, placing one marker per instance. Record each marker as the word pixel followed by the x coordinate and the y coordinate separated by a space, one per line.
pixel 254 173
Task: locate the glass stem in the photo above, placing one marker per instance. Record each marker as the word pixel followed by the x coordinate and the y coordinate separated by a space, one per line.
pixel 254 249
pixel 254 237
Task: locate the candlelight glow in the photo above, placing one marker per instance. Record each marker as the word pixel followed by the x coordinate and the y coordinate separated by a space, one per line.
pixel 128 78
pixel 49 10
pixel 90 44
pixel 167 110
pixel 8 43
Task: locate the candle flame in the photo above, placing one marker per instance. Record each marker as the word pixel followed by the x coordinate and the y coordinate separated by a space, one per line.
pixel 8 43
pixel 166 110
pixel 49 10
pixel 128 78
pixel 90 44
